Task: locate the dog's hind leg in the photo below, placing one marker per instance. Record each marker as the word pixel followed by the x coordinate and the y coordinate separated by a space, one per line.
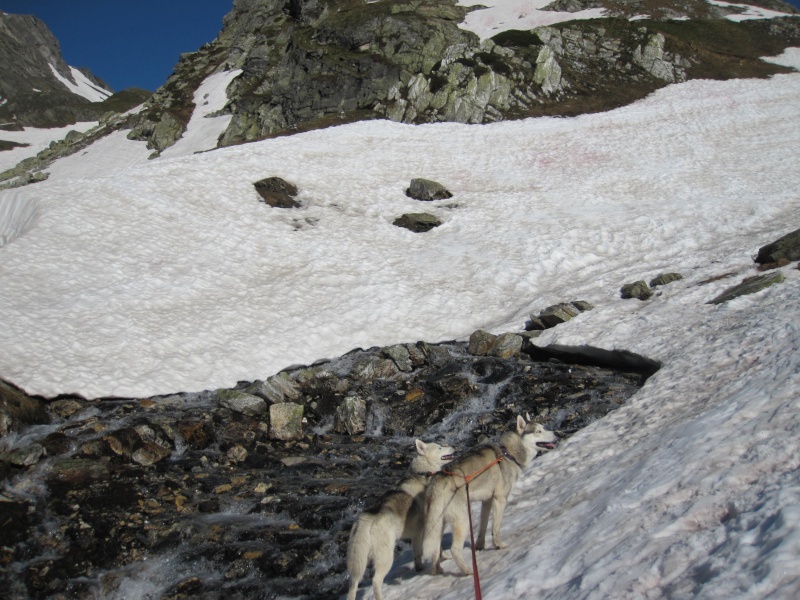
pixel 358 551
pixel 486 510
pixel 383 556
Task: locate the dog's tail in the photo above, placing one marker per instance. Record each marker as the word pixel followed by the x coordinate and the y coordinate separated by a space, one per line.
pixel 436 501
pixel 358 552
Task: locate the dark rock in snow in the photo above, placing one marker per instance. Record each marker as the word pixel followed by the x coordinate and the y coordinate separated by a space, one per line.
pixel 665 278
pixel 751 285
pixel 277 192
pixel 417 222
pixel 637 289
pixel 786 247
pixel 557 314
pixel 427 190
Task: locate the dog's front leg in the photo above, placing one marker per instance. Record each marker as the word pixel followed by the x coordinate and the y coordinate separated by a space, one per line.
pixel 499 507
pixel 486 510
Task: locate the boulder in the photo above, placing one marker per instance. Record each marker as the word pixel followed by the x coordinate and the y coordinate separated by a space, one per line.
pixel 18 409
pixel 239 402
pixel 286 421
pixel 427 190
pixel 557 314
pixel 417 222
pixel 786 247
pixel 351 416
pixel 277 192
pixel 637 289
pixel 481 342
pixel 507 345
pixel 400 355
pixel 665 278
pixel 751 285
pixel 24 457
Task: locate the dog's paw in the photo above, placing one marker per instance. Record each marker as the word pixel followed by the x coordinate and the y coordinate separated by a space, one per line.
pixel 500 545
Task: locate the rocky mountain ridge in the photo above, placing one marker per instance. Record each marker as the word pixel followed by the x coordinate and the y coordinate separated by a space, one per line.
pixel 313 63
pixel 35 80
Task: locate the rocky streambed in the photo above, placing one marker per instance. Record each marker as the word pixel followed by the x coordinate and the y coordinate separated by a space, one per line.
pixel 251 492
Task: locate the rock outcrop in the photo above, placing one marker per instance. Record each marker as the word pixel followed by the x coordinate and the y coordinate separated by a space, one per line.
pixel 315 63
pixel 34 78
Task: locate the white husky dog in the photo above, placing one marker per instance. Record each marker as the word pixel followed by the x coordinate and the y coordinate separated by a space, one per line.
pixel 397 515
pixel 495 468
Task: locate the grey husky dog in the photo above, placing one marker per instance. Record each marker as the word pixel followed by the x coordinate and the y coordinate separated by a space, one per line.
pixel 495 468
pixel 398 515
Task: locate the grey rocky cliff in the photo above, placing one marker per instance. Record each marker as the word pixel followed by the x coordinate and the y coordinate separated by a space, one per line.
pixel 314 63
pixel 30 94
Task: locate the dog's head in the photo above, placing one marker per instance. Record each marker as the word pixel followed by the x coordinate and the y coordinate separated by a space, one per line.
pixel 535 437
pixel 435 454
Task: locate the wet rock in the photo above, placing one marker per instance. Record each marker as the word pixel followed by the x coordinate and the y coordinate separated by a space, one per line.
pixel 197 434
pixel 237 453
pixel 400 355
pixel 786 247
pixel 286 421
pixel 277 192
pixel 18 409
pixel 665 278
pixel 638 289
pixel 427 190
pixel 374 367
pixel 24 457
pixel 75 471
pixel 351 416
pixel 239 402
pixel 507 345
pixel 417 222
pixel 751 285
pixel 481 342
pixel 65 408
pixel 149 454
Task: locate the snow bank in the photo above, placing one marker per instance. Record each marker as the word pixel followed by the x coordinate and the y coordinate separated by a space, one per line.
pixel 504 15
pixel 83 86
pixel 204 128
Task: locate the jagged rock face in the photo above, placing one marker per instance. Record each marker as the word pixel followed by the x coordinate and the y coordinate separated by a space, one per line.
pixel 313 63
pixel 30 94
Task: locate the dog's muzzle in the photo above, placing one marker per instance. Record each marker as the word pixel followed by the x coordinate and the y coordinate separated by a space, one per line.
pixel 546 445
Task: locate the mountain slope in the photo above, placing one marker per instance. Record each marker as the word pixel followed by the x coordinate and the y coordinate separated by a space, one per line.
pixel 37 88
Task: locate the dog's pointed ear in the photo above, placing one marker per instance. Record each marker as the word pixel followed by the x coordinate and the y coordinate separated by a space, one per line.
pixel 420 446
pixel 521 424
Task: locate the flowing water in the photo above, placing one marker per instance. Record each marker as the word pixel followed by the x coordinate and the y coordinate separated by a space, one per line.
pixel 177 497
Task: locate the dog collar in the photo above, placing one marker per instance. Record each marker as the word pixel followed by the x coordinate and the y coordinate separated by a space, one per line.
pixel 508 455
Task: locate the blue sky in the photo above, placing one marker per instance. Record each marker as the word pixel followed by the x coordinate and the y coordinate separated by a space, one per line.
pixel 127 43
pixel 130 43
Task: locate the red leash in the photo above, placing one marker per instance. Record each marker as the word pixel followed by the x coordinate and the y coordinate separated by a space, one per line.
pixel 467 478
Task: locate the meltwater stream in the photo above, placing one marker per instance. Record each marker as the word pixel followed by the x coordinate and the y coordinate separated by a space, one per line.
pixel 180 496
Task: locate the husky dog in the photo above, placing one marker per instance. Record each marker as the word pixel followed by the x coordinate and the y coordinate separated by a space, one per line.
pixel 446 498
pixel 398 514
